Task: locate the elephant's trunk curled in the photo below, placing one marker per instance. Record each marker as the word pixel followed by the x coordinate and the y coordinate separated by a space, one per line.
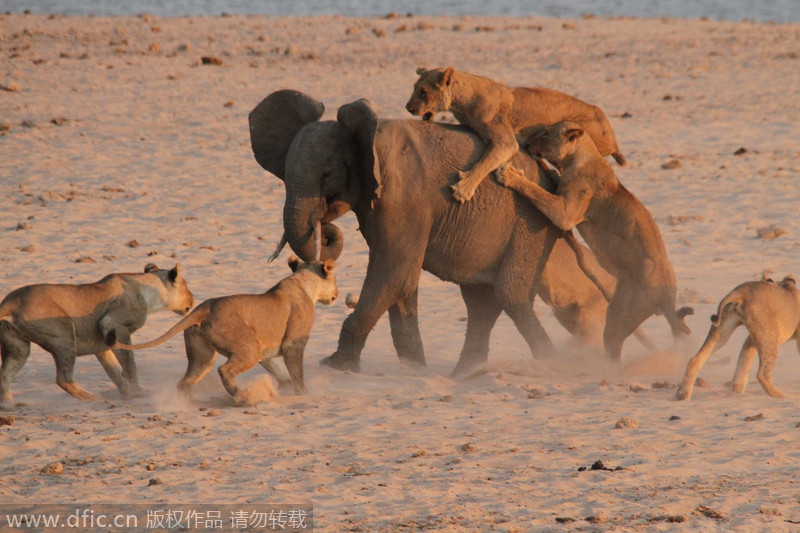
pixel 311 239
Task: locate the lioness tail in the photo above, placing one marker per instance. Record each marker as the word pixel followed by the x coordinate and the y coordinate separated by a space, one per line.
pixel 729 304
pixel 192 319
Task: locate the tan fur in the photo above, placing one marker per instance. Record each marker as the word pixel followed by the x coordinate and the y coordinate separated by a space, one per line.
pixel 770 312
pixel 616 226
pixel 578 303
pixel 73 320
pixel 498 113
pixel 250 329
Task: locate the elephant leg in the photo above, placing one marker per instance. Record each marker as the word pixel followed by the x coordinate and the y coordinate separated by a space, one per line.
pixel 518 283
pixel 404 323
pixel 530 328
pixel 483 309
pixel 390 276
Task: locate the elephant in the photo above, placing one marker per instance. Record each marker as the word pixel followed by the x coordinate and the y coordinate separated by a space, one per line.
pixel 395 175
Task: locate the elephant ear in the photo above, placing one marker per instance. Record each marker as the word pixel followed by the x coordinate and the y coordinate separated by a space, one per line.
pixel 360 120
pixel 275 122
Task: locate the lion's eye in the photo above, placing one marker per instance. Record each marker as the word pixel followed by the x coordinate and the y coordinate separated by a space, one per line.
pixel 423 93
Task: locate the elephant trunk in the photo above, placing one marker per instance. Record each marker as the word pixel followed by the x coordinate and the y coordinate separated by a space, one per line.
pixel 309 238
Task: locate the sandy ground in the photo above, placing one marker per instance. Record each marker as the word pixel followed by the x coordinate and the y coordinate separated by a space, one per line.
pixel 119 147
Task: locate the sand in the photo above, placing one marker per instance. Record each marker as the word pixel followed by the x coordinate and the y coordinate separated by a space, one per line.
pixel 119 147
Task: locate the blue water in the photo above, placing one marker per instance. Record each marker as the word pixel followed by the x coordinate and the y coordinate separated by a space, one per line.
pixel 780 11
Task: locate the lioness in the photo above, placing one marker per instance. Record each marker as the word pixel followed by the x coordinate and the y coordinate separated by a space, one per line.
pixel 770 312
pixel 616 226
pixel 250 329
pixel 73 320
pixel 497 113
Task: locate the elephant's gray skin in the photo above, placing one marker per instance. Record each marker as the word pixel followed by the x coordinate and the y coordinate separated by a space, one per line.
pixel 396 176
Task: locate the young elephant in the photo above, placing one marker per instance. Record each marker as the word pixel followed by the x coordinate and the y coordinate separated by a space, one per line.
pixel 770 312
pixel 73 320
pixel 497 113
pixel 617 227
pixel 250 329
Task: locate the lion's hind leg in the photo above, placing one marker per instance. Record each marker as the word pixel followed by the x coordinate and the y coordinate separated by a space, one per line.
pixel 626 312
pixel 718 335
pixel 246 355
pixel 767 356
pixel 746 358
pixel 14 351
pixel 65 366
pixel 200 355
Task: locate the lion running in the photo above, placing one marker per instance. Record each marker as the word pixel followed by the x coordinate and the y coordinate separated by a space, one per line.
pixel 770 312
pixel 251 329
pixel 73 320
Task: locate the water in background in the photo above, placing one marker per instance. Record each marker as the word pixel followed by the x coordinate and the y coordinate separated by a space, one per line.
pixel 781 11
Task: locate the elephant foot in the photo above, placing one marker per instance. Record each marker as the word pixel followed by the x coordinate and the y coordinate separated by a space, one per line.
pixel 466 370
pixel 340 362
pixel 414 365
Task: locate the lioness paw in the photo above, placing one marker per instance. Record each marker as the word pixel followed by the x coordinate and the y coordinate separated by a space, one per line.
pixel 462 192
pixel 508 175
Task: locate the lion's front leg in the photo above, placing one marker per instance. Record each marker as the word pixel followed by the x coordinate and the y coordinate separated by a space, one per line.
pixel 128 362
pixel 502 145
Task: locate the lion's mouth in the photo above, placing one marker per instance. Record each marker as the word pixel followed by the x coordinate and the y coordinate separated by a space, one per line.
pixel 427 116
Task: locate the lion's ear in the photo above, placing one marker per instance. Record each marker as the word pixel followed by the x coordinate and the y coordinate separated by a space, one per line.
pixel 174 274
pixel 328 267
pixel 573 134
pixel 447 77
pixel 150 267
pixel 421 71
pixel 294 262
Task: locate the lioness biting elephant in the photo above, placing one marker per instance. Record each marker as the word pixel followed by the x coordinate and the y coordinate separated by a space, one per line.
pixel 770 312
pixel 497 113
pixel 250 329
pixel 617 227
pixel 73 320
